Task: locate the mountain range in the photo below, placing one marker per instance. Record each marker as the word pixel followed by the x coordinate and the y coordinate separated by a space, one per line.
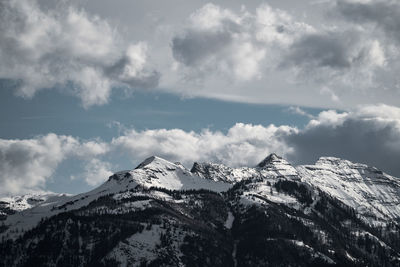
pixel 332 213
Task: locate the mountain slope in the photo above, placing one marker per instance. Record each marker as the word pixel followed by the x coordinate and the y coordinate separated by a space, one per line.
pixel 373 194
pixel 161 214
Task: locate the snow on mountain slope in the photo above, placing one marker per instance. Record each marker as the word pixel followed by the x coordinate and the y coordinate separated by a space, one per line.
pixel 372 193
pixel 219 172
pixel 137 248
pixel 19 203
pixel 261 186
pixel 276 166
pixel 153 172
pixel 158 172
pixel 157 212
pixel 261 179
pixel 271 167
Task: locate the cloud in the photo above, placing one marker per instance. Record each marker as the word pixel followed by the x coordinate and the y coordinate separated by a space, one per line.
pixel 219 41
pixel 259 55
pixel 68 48
pixel 383 14
pixel 272 56
pixel 133 70
pixel 26 165
pixel 300 111
pixel 96 172
pixel 195 47
pixel 324 50
pixel 331 58
pixel 369 134
pixel 242 145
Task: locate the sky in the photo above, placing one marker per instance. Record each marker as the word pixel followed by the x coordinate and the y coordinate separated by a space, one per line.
pixel 88 88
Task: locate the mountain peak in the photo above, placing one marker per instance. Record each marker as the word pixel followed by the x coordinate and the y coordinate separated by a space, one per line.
pixel 270 159
pixel 152 159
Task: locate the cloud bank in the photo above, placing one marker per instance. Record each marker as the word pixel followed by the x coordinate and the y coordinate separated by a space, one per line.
pixel 264 54
pixel 368 134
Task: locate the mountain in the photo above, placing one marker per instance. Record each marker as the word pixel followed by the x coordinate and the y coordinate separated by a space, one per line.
pixel 332 213
pixel 13 204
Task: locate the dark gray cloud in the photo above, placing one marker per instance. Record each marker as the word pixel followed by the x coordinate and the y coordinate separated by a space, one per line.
pixel 336 50
pixel 321 50
pixel 140 78
pixel 370 139
pixel 195 46
pixel 384 14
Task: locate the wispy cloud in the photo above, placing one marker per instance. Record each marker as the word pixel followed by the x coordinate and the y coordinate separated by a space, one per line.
pixel 300 111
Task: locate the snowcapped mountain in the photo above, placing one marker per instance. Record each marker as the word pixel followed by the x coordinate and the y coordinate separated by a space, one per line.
pixel 335 213
pixel 374 195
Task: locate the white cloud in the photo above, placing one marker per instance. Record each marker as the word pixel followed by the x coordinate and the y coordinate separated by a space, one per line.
pixel 214 18
pixel 329 117
pixel 218 41
pixel 277 26
pixel 242 145
pixel 26 165
pixel 300 111
pixel 53 47
pixel 97 172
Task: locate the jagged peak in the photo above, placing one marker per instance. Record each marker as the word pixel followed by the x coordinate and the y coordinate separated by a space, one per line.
pixel 200 166
pixel 196 167
pixel 216 172
pixel 270 159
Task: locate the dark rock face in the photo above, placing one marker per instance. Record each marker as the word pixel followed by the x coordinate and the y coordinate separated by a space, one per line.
pixel 261 220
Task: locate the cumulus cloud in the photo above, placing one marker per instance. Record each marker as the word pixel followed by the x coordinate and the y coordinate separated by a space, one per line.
pixel 336 58
pixel 69 48
pixel 260 55
pixel 96 172
pixel 233 44
pixel 242 145
pixel 26 165
pixel 273 56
